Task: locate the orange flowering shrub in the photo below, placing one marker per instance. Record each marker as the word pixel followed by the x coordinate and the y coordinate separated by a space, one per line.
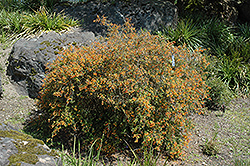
pixel 125 87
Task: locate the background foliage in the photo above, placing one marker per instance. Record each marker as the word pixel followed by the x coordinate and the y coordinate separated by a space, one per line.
pixel 227 47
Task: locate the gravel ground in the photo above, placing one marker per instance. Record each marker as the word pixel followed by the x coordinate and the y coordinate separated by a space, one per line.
pixel 14 105
pixel 230 129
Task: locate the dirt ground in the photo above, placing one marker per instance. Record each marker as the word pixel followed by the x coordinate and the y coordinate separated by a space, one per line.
pixel 14 106
pixel 229 131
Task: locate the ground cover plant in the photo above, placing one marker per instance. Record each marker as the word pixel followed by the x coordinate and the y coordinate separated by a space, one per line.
pixel 132 87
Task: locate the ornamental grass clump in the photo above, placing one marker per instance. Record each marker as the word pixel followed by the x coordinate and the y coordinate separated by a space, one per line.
pixel 133 87
pixel 42 20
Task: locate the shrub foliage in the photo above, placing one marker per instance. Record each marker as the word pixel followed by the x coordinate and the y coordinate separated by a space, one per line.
pixel 127 87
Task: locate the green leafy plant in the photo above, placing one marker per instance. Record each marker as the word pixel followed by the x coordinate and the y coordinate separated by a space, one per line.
pixel 74 160
pixel 243 30
pixel 231 55
pixel 239 48
pixel 3 37
pixel 10 4
pixel 17 23
pixel 42 20
pixel 233 73
pixel 11 22
pixel 187 32
pixel 211 147
pixel 149 158
pixel 217 36
pixel 36 4
pixel 190 5
pixel 124 87
pixel 219 94
pixel 11 26
pixel 193 5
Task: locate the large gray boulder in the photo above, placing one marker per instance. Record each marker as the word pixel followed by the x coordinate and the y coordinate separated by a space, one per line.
pixel 28 58
pixel 149 14
pixel 17 148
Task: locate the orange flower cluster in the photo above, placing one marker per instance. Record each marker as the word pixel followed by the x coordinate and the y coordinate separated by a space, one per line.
pixel 125 87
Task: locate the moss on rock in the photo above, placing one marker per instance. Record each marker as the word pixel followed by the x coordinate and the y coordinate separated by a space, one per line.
pixel 15 135
pixel 23 157
pixel 28 147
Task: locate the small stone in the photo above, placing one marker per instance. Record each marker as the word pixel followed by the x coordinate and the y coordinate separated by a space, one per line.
pixel 203 163
pixel 44 160
pixel 25 143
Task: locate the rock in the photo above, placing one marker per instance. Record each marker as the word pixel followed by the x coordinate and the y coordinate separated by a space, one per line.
pixel 226 9
pixel 152 15
pixel 244 11
pixel 1 89
pixel 28 58
pixel 230 12
pixel 19 148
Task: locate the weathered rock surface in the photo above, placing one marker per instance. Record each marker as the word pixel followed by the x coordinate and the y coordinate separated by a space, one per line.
pixel 29 57
pixel 148 14
pixel 229 11
pixel 19 148
pixel 1 89
pixel 244 11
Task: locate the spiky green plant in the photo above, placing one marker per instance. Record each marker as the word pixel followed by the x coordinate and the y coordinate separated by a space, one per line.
pixel 244 31
pixel 10 4
pixel 217 36
pixel 42 20
pixel 11 22
pixel 233 73
pixel 11 25
pixel 220 94
pixel 187 32
pixel 74 160
pixel 211 147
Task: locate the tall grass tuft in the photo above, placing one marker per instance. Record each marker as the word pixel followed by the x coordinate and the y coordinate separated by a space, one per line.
pixel 17 23
pixel 187 32
pixel 72 158
pixel 75 159
pixel 42 20
pixel 10 4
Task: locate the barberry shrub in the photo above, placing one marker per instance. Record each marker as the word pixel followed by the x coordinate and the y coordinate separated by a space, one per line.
pixel 129 86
